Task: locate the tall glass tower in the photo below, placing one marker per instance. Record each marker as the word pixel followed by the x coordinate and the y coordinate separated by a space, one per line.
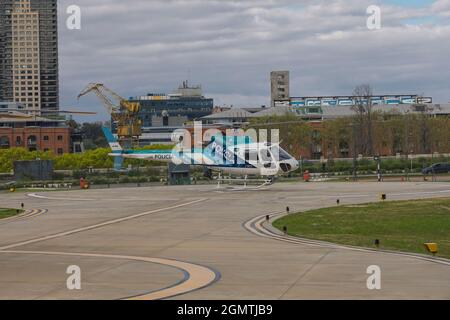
pixel 29 53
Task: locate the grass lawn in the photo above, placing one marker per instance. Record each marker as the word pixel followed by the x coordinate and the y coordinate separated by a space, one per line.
pixel 399 225
pixel 6 213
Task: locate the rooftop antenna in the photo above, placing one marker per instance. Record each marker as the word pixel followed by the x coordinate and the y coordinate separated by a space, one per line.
pixel 188 77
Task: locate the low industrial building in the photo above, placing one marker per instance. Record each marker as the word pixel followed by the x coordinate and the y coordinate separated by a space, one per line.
pixel 172 110
pixel 161 114
pixel 349 101
pixel 236 116
pixel 41 170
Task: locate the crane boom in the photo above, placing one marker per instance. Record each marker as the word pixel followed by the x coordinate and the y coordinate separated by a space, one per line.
pixel 124 113
pixel 98 88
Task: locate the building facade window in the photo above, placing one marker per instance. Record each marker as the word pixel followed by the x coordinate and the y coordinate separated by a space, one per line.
pixel 32 141
pixel 4 142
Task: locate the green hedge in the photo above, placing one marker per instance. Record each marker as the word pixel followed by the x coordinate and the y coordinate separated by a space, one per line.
pixel 369 166
pixel 97 159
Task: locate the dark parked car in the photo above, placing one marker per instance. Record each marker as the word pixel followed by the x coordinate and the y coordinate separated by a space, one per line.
pixel 437 168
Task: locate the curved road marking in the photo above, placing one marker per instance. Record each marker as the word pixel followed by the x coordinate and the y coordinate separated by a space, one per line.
pixel 98 225
pixel 256 226
pixel 38 196
pixel 34 213
pixel 198 276
pixel 26 215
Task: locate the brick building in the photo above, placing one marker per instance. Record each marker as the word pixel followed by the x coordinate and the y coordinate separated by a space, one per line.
pixel 323 147
pixel 18 130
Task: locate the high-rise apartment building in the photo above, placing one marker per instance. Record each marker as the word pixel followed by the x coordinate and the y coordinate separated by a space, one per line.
pixel 279 86
pixel 29 53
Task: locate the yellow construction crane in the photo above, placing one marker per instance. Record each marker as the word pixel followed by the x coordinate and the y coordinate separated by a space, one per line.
pixel 124 113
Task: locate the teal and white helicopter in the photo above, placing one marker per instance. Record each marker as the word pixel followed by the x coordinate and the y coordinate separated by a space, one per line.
pixel 227 155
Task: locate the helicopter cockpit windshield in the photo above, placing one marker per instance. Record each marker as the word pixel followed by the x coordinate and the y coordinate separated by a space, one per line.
pixel 279 153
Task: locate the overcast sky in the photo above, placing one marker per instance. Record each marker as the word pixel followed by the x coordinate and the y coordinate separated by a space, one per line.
pixel 230 47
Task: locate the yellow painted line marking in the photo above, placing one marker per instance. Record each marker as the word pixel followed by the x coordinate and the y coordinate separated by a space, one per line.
pixel 199 276
pixel 256 226
pixel 37 213
pixel 24 216
pixel 33 213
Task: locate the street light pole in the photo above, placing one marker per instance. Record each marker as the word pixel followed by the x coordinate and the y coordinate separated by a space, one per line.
pixel 378 160
pixel 355 164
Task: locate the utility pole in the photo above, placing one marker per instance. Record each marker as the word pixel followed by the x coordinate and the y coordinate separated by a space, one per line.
pixel 412 165
pixel 355 160
pixel 301 165
pixel 138 174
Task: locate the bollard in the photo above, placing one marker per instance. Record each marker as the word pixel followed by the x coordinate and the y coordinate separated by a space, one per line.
pixel 377 243
pixel 288 209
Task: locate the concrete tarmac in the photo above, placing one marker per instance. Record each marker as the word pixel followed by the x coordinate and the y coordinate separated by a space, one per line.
pixel 190 242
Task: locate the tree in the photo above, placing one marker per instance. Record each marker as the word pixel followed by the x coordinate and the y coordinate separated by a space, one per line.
pixel 364 118
pixel 295 134
pixel 337 135
pixel 93 136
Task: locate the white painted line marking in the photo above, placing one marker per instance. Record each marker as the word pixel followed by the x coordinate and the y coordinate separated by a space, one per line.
pixel 39 196
pixel 24 216
pixel 256 226
pixel 35 195
pixel 95 226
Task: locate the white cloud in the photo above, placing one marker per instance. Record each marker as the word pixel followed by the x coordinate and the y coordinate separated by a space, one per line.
pixel 141 46
pixel 441 7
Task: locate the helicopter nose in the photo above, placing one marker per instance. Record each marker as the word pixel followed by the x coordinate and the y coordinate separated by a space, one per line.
pixel 289 166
